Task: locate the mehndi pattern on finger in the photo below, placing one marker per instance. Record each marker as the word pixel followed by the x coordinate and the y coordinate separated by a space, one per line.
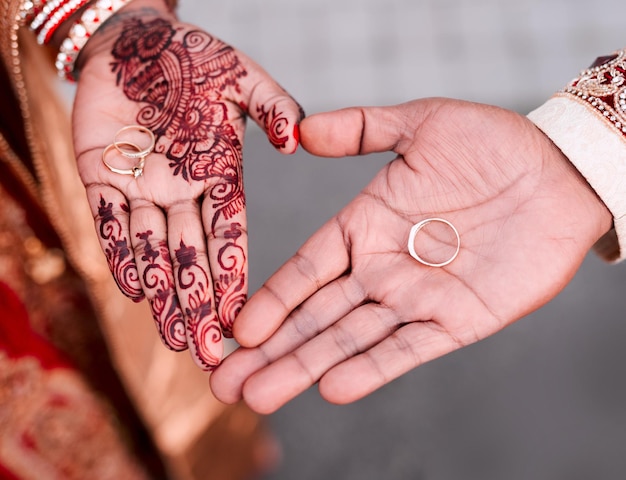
pixel 119 255
pixel 161 293
pixel 276 124
pixel 204 335
pixel 230 287
pixel 224 162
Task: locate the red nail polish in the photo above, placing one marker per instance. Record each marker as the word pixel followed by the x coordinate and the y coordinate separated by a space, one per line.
pixel 296 132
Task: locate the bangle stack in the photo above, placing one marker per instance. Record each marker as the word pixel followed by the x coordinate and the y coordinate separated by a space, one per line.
pixel 80 32
pixel 44 17
pixel 56 18
pixel 29 9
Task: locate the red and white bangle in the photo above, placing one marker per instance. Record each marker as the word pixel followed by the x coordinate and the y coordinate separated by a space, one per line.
pixel 60 15
pixel 29 9
pixel 81 31
pixel 44 13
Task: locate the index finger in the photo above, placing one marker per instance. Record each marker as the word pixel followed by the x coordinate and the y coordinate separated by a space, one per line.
pixel 322 259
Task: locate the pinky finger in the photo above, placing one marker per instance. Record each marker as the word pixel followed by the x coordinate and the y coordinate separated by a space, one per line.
pixel 112 219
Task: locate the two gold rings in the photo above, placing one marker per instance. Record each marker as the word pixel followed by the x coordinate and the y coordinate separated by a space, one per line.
pixel 130 142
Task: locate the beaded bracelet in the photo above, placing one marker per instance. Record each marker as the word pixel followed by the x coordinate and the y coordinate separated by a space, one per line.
pixel 60 15
pixel 91 19
pixel 48 8
pixel 29 9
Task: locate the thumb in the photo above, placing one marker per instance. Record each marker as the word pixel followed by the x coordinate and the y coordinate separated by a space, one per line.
pixel 360 130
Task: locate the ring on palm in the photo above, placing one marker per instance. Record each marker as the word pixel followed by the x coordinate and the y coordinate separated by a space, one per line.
pixel 135 134
pixel 135 170
pixel 411 244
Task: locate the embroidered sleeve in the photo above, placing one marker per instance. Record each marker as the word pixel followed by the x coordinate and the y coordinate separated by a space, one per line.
pixel 587 121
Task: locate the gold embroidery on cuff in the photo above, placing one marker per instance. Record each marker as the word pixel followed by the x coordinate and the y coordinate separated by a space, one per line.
pixel 603 87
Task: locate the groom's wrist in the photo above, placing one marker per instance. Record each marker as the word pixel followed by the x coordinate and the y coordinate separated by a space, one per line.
pixel 587 122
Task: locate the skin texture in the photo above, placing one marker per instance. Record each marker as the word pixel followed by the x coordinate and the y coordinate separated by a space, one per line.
pixel 175 235
pixel 352 310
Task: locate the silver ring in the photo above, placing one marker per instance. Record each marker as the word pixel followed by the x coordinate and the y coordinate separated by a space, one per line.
pixel 417 227
pixel 139 152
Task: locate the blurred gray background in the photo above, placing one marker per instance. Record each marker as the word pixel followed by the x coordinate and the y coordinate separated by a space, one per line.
pixel 544 399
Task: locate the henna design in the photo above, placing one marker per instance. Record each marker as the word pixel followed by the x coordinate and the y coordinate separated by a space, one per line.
pixel 230 287
pixel 118 254
pixel 162 293
pixel 275 124
pixel 179 77
pixel 227 195
pixel 202 324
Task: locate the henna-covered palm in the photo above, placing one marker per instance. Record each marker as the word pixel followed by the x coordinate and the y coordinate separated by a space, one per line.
pixel 353 310
pixel 177 233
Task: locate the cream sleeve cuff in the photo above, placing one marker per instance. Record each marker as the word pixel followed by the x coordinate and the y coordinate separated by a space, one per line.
pixel 588 123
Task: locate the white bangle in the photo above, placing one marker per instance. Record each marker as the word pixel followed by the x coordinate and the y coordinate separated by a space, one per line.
pixel 53 22
pixel 45 12
pixel 81 31
pixel 28 10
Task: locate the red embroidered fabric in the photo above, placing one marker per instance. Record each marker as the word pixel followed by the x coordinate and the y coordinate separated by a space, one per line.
pixel 603 87
pixel 17 338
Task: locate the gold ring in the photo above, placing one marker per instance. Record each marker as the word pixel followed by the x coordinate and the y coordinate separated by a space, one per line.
pixel 139 152
pixel 417 227
pixel 135 171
